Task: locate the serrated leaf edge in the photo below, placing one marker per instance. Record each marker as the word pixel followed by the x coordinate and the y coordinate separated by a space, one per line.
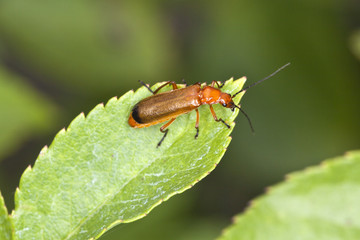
pixel 81 118
pixel 8 218
pixel 325 165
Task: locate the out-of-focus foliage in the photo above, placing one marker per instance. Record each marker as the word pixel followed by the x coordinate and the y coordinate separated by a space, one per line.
pixel 24 111
pixel 104 44
pixel 83 53
pixel 355 43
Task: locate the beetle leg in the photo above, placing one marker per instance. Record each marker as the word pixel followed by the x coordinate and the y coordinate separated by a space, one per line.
pixel 162 129
pixel 217 119
pixel 145 85
pixel 197 123
pixel 217 83
pixel 169 82
pixel 174 85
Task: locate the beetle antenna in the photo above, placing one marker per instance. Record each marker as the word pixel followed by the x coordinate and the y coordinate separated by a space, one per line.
pixel 260 81
pixel 243 112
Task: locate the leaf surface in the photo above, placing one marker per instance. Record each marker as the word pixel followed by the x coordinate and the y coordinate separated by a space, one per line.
pixel 100 172
pixel 319 203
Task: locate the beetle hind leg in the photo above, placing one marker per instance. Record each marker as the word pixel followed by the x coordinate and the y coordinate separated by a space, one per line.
pixel 154 92
pixel 173 84
pixel 145 85
pixel 217 83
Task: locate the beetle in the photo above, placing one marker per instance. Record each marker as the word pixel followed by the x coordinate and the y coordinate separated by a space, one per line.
pixel 167 106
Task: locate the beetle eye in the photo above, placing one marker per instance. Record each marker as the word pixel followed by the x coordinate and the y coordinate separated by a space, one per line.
pixel 224 104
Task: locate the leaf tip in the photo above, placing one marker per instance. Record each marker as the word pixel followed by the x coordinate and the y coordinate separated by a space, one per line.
pixel 17 196
pixel 241 81
pixel 111 101
pixel 243 78
pixel 62 131
pixel 43 150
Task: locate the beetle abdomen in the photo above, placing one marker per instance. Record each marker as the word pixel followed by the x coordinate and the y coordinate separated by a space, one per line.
pixel 165 106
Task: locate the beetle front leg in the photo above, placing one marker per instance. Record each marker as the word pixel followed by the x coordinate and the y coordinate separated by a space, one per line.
pixel 217 119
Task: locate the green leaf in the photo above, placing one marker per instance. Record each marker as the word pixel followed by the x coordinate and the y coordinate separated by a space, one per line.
pixel 5 224
pixel 23 112
pixel 100 172
pixel 319 203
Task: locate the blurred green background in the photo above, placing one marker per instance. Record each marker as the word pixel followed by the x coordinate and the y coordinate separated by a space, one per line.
pixel 60 58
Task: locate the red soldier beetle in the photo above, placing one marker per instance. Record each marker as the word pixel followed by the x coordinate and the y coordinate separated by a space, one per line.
pixel 167 106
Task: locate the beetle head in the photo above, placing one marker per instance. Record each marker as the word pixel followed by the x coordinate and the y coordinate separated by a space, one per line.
pixel 226 101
